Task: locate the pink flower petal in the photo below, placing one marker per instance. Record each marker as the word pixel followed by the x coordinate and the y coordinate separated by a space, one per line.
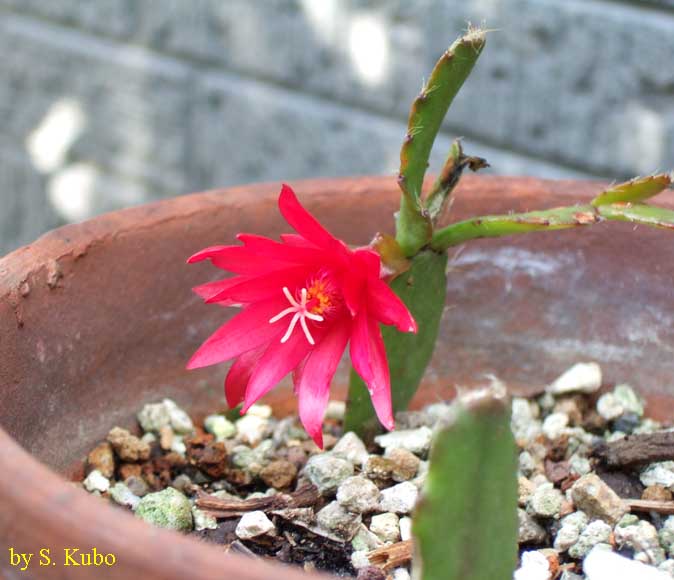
pixel 277 361
pixel 296 241
pixel 387 307
pixel 314 379
pixel 261 246
pixel 239 375
pixel 211 289
pixel 237 259
pixel 304 223
pixel 247 330
pixel 364 265
pixel 368 356
pixel 254 289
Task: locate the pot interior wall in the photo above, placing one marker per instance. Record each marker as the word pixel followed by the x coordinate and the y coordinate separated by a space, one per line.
pixel 98 318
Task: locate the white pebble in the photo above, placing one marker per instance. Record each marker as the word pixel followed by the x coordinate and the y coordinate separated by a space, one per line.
pixel 602 564
pixel 335 410
pixel 386 527
pixel 359 559
pixel 399 499
pixel 405 528
pixel 253 524
pixel 580 378
pixel 661 473
pixel 252 429
pixel 219 426
pixel 96 481
pixel 401 574
pixel 262 411
pixel 418 441
pixel 535 566
pixel 554 425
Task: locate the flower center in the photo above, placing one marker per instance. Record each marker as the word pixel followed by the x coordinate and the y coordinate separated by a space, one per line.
pixel 301 311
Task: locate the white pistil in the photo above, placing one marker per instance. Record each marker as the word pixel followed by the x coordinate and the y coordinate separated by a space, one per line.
pixel 299 312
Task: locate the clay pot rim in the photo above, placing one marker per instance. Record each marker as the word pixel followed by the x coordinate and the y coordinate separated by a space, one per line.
pixel 173 553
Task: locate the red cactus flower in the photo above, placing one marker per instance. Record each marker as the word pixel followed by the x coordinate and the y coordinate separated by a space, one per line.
pixel 304 298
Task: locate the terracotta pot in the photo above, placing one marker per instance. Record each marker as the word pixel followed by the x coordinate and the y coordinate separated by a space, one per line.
pixel 98 318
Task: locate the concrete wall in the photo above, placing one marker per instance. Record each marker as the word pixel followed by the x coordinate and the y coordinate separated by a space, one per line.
pixel 108 103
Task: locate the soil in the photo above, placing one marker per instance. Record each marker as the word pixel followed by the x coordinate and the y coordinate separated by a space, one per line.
pixel 258 465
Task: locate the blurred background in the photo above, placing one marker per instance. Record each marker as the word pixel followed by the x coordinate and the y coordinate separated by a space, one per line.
pixel 111 103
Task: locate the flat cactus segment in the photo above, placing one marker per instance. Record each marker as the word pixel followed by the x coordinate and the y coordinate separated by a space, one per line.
pixel 639 213
pixel 635 190
pixel 465 525
pixel 426 115
pixel 494 226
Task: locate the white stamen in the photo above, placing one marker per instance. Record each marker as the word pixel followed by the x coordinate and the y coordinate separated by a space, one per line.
pixel 299 312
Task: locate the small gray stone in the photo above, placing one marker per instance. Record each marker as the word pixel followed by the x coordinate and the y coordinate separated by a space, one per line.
pixel 253 524
pixel 182 483
pixel 405 464
pixel 661 473
pixel 666 535
pixel 591 495
pixel 166 509
pixel 417 441
pixel 137 485
pixel 365 540
pixel 178 445
pixel 334 518
pixel 570 530
pixel 529 530
pixel 527 464
pixel 327 472
pixel 580 378
pixel 153 416
pixel 359 559
pixel 554 425
pixel 335 410
pixel 180 420
pixel 252 429
pixel 358 495
pixel 525 489
pixel 351 448
pixel 643 539
pixel 203 520
pixel 545 502
pixel 596 532
pixel 220 427
pixel 524 420
pixel 386 527
pixel 579 464
pixel 96 481
pixel 629 399
pixel 121 494
pixel 399 499
pixel 623 399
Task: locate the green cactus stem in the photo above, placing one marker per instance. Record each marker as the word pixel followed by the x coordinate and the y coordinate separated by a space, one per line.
pixel 494 226
pixel 638 213
pixel 465 525
pixel 635 190
pixel 445 183
pixel 426 115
